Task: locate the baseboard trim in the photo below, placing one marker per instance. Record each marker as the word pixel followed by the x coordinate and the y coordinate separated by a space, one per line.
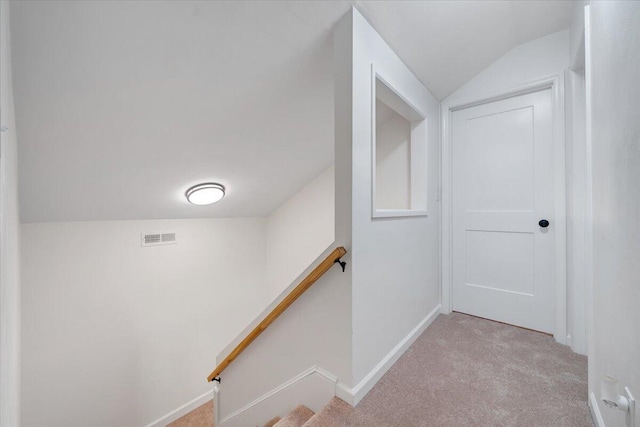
pixel 354 395
pixel 182 410
pixel 314 370
pixel 345 393
pixel 595 411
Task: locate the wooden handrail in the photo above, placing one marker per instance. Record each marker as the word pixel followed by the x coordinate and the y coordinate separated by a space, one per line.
pixel 305 284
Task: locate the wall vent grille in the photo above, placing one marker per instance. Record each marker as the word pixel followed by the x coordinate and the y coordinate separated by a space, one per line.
pixel 156 239
pixel 168 237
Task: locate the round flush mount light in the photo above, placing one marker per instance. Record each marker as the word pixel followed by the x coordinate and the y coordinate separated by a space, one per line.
pixel 205 194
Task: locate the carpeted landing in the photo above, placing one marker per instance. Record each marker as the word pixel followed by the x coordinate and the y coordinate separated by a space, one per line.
pixel 466 371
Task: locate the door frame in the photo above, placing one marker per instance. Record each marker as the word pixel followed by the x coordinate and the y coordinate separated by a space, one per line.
pixel 555 82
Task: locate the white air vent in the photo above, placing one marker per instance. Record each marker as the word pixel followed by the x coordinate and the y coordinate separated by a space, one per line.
pixel 155 239
pixel 168 237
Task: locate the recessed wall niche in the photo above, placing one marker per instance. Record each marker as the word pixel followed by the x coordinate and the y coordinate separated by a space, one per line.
pixel 399 148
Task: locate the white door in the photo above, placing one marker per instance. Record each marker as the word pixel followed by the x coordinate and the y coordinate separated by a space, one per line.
pixel 503 255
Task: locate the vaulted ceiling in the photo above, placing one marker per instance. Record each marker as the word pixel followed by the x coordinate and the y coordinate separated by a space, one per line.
pixel 121 106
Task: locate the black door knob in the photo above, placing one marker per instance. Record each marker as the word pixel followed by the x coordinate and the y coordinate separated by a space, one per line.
pixel 543 223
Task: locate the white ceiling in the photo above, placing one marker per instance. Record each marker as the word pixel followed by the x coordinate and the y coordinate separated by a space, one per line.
pixel 121 106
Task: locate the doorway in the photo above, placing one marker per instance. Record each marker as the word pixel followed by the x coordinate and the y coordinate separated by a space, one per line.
pixel 504 231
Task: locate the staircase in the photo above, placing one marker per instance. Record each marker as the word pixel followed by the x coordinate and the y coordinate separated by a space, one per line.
pixel 304 381
pixel 301 416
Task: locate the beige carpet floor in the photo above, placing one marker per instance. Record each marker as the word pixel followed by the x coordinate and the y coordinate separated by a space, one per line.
pixel 467 371
pixel 202 416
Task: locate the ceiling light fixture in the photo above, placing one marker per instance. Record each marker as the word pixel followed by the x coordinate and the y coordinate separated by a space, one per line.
pixel 205 194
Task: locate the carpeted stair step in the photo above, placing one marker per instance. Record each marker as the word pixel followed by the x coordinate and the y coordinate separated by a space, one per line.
pixel 272 422
pixel 332 415
pixel 296 418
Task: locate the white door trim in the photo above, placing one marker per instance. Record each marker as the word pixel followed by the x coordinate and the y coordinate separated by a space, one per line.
pixel 555 82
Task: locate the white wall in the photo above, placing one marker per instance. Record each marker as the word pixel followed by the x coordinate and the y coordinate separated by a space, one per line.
pixel 9 240
pixel 527 62
pixel 615 137
pixel 395 268
pixel 300 230
pixel 393 160
pixel 576 36
pixel 116 334
pixel 576 181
